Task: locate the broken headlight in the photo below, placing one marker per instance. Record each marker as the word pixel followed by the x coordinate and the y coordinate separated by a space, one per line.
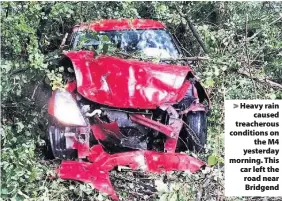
pixel 66 109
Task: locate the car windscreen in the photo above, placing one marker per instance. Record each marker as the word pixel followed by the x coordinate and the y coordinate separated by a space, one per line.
pixel 150 43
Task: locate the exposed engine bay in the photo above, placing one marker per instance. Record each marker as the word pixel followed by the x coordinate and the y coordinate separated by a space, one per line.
pixel 120 129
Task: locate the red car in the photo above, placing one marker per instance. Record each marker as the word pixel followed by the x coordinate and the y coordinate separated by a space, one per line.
pixel 125 111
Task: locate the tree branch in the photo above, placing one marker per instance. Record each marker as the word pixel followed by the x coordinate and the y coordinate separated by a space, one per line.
pixel 261 80
pixel 273 22
pixel 194 30
pixel 196 34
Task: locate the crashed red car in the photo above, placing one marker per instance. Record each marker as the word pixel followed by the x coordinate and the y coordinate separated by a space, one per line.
pixel 125 111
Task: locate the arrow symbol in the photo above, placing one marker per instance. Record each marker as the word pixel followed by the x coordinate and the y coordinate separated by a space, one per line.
pixel 235 106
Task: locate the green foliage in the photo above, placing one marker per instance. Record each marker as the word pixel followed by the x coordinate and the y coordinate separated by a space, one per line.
pixel 32 32
pixel 212 160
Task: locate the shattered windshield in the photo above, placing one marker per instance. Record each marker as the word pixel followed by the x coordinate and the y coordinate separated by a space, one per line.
pixel 150 43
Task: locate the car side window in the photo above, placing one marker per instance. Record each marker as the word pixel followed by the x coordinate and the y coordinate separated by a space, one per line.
pixel 84 39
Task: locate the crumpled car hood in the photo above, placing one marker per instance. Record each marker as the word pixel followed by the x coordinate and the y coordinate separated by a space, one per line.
pixel 127 83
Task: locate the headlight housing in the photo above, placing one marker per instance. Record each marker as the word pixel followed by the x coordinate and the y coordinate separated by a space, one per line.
pixel 66 110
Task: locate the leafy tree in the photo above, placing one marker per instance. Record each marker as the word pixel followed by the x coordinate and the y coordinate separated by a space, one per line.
pixel 242 39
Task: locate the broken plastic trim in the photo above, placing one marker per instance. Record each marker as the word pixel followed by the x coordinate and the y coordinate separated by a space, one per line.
pixel 97 172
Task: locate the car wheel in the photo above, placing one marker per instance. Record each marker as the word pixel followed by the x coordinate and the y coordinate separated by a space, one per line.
pixel 57 144
pixel 196 131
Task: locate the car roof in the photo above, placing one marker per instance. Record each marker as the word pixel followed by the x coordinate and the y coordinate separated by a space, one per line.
pixel 120 24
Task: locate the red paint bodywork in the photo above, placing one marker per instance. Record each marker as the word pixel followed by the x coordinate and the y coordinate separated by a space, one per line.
pixel 100 130
pixel 97 172
pixel 71 86
pixel 122 24
pixel 125 83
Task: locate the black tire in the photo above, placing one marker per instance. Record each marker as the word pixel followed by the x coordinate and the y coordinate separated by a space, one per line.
pixel 197 139
pixel 57 144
